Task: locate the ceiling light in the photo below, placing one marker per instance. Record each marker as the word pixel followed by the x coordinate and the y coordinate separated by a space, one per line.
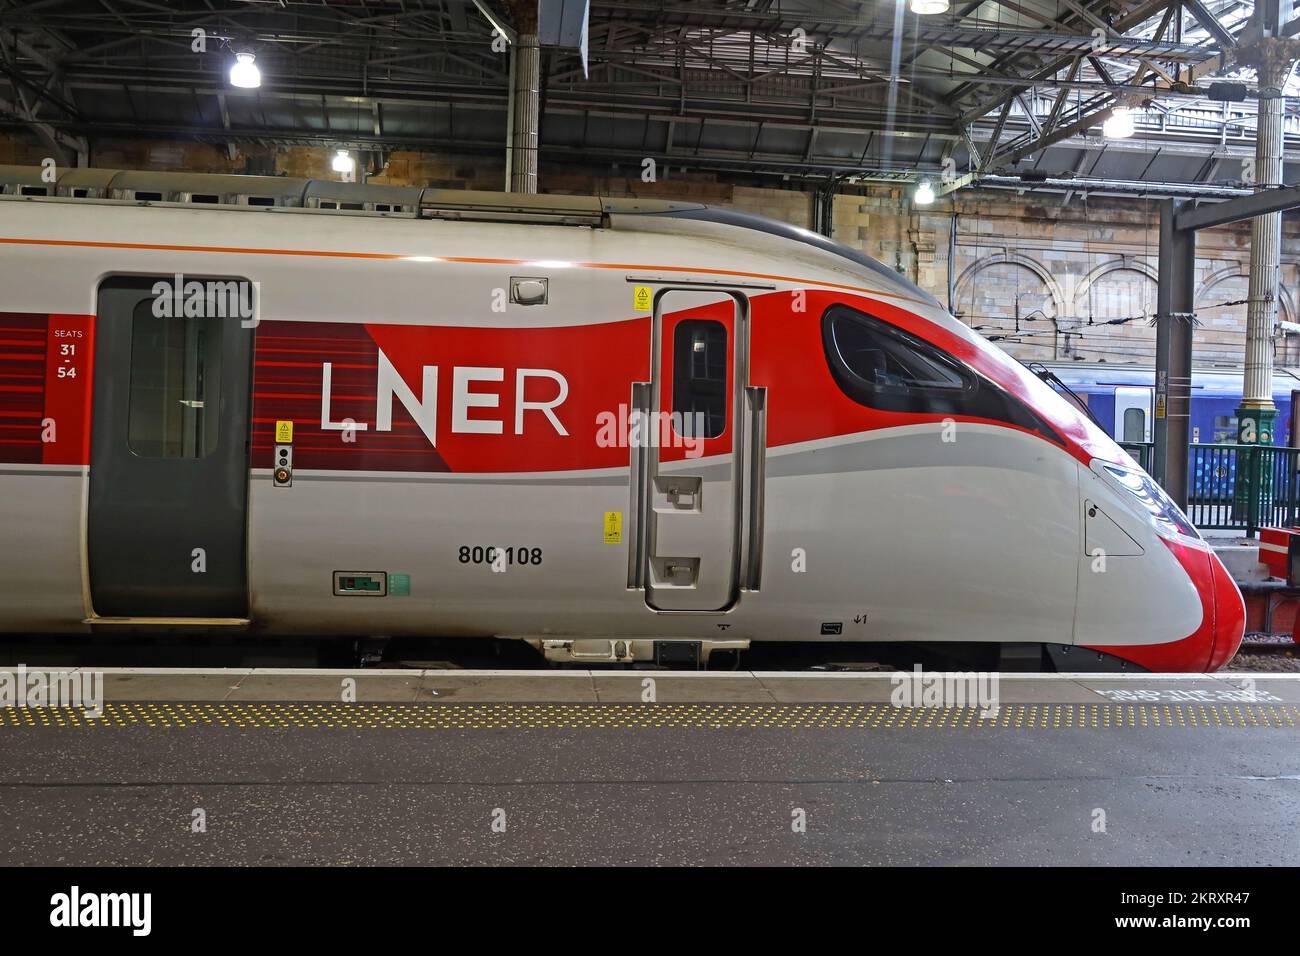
pixel 1119 125
pixel 343 163
pixel 927 7
pixel 924 194
pixel 245 73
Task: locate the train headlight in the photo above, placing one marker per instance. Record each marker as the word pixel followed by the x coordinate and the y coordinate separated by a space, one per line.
pixel 1169 520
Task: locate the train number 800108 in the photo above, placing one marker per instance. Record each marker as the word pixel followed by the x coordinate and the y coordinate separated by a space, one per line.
pixel 478 554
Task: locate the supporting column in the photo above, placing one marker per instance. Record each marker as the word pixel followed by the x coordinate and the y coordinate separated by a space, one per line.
pixel 1257 412
pixel 823 207
pixel 1272 56
pixel 1174 298
pixel 526 95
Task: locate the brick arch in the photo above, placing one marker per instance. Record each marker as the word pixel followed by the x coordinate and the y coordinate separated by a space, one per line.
pixel 1033 266
pixel 1233 270
pixel 1239 270
pixel 1096 274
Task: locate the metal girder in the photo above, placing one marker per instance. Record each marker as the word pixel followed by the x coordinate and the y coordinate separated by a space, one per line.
pixel 24 80
pixel 57 140
pixel 1111 187
pixel 1013 156
pixel 1235 210
pixel 1136 17
pixel 1036 126
pixel 849 118
pixel 1088 15
pixel 997 135
pixel 1062 96
pixel 1082 122
pixel 1211 23
pixel 497 20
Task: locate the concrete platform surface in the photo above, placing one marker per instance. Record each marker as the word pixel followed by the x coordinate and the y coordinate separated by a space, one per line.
pixel 268 768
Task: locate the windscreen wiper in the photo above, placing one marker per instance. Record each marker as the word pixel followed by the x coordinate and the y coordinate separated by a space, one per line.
pixel 1051 378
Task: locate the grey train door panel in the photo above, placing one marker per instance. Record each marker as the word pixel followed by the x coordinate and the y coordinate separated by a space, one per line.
pixel 692 482
pixel 168 506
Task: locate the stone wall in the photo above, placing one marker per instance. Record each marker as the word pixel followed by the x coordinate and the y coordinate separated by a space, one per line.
pixel 1045 279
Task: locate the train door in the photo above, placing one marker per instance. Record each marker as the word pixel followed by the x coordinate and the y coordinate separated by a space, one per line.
pixel 692 474
pixel 1132 414
pixel 166 527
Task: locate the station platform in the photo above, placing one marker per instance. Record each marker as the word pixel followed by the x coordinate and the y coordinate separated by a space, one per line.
pixel 597 686
pixel 579 767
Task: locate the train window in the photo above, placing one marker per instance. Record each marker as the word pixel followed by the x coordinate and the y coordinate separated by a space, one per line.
pixel 881 366
pixel 1135 424
pixel 699 378
pixel 1225 429
pixel 175 376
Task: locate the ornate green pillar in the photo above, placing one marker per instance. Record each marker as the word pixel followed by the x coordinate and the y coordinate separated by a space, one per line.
pixel 1253 486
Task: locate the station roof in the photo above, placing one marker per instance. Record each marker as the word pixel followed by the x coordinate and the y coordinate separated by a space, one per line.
pixel 781 90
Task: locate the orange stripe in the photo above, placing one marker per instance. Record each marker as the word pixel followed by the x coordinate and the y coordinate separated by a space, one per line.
pixel 392 256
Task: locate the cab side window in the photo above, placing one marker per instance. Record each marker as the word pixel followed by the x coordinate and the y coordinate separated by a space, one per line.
pixel 884 367
pixel 880 366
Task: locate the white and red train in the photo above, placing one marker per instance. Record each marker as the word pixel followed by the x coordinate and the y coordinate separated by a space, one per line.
pixel 608 427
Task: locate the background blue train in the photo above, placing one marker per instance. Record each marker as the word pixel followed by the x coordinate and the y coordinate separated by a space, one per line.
pixel 1121 398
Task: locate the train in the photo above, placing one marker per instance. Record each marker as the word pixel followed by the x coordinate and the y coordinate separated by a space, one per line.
pixel 1120 397
pixel 620 430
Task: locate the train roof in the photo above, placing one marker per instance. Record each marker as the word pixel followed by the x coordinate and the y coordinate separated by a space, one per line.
pixel 784 230
pixel 287 192
pixel 290 193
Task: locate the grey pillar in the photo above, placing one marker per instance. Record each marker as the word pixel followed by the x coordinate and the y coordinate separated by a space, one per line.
pixel 525 119
pixel 1265 246
pixel 1177 286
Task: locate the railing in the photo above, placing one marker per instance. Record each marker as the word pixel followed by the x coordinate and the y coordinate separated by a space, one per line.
pixel 1243 486
pixel 1237 487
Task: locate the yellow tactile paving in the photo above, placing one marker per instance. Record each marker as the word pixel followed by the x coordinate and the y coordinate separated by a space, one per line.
pixel 559 716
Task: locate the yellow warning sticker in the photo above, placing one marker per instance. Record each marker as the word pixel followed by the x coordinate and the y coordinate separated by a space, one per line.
pixel 1160 407
pixel 613 527
pixel 283 433
pixel 641 298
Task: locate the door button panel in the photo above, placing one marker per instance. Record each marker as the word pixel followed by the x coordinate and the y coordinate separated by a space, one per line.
pixel 282 473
